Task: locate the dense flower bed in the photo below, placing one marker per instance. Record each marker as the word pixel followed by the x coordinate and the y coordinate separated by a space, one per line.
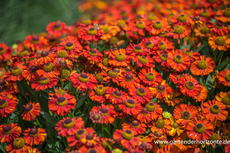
pixel 129 78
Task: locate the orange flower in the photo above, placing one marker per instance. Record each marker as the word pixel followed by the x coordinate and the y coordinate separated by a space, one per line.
pixel 34 136
pixel 150 77
pixel 98 94
pixel 214 110
pixel 178 61
pixel 89 139
pixel 179 32
pixel 156 27
pixel 93 55
pixel 69 126
pixel 30 73
pixel 177 129
pixel 207 14
pixel 182 19
pixel 202 66
pixel 34 42
pixel 90 33
pixel 144 61
pixel 199 129
pixel 169 148
pixel 165 45
pixel 161 57
pixel 61 104
pixel 130 106
pixel 9 132
pixel 202 95
pixel 134 125
pixel 44 57
pixel 172 99
pixel 222 43
pixel 134 50
pixel 224 77
pixel 138 27
pixel 224 97
pixel 15 74
pixel 202 31
pixel 223 15
pixel 95 149
pixel 17 146
pixel 56 29
pixel 5 52
pixel 8 104
pixel 184 113
pixel 109 31
pixel 161 125
pixel 163 90
pixel 44 83
pixel 119 58
pixel 193 56
pixel 49 71
pixel 31 111
pixel 128 80
pixel 96 117
pixel 113 95
pixel 218 28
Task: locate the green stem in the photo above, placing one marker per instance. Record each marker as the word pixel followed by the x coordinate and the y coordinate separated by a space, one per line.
pixel 222 53
pixel 38 122
pixel 193 33
pixel 102 130
pixel 61 77
pixel 137 38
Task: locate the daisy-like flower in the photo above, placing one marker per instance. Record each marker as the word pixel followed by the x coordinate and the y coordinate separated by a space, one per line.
pixel 161 125
pixel 222 43
pixel 203 31
pixel 34 136
pixel 98 94
pixel 44 83
pixel 8 104
pixel 218 28
pixel 224 97
pixel 138 27
pixel 202 95
pixel 134 50
pixel 134 125
pixel 5 52
pixel 89 139
pixel 62 104
pixel 214 110
pixel 178 61
pixel 193 56
pixel 223 15
pixel 17 146
pixel 126 138
pixel 224 77
pixel 109 31
pixel 74 140
pixel 107 111
pixel 151 111
pixel 149 43
pixel 144 146
pixel 95 149
pixel 56 29
pixel 96 117
pixel 130 106
pixel 150 77
pixel 199 129
pixel 140 93
pixel 113 95
pixel 30 73
pixel 207 14
pixel 172 99
pixel 144 61
pixel 161 57
pixel 48 71
pixel 184 113
pixel 93 55
pixel 179 32
pixel 104 64
pixel 158 26
pixel 31 111
pixel 90 33
pixel 9 132
pixel 177 129
pixel 44 57
pixel 128 80
pixel 119 58
pixel 189 86
pixel 34 42
pixel 169 148
pixel 203 66
pixel 15 74
pixel 83 81
pixel 165 45
pixel 69 126
pixel 182 19
pixel 163 90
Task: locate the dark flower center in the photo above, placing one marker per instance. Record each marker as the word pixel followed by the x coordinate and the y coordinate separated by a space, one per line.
pixel 33 69
pixel 92 50
pixel 80 132
pixel 104 110
pixel 84 75
pixel 138 47
pixel 141 90
pixel 2 101
pixel 33 131
pixel 28 107
pixel 91 29
pixel 7 129
pixel 117 93
pixel 69 44
pixel 135 123
pixel 129 77
pixel 44 53
pixel 61 99
pixel 89 137
pixel 130 101
pixel 157 134
pixel 67 121
pixel 186 115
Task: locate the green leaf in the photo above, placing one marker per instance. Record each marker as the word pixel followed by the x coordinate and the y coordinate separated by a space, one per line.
pixel 199 48
pixel 49 118
pixel 80 101
pixel 209 83
pixel 228 66
pixel 68 86
pixel 21 89
pixel 107 131
pixel 223 64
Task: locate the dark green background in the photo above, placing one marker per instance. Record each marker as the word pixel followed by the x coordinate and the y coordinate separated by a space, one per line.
pixel 18 18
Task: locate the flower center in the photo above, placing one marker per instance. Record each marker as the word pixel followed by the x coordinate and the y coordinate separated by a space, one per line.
pixel 105 28
pixel 227 77
pixel 218 25
pixel 69 46
pixel 79 133
pixel 83 78
pixel 166 114
pixel 199 128
pixel 121 23
pixel 62 54
pixel 150 76
pixel 163 57
pixel 18 143
pixel 137 49
pixel 175 125
pixel 48 67
pixel 214 137
pixel 130 103
pixel 16 71
pixel 35 40
pixel 143 59
pixel 182 18
pixel 172 96
pixel 92 52
pixel 61 92
pixel 220 41
pixel 3 103
pixel 205 30
pixel 61 101
pixel 100 90
pixel 44 81
pixel 140 25
pixel 149 44
pixel 2 50
pixel 105 62
pixel 214 109
pixel 211 1
pixel 28 107
pixel 57 27
pixel 157 134
pixel 162 34
pixel 7 130
pixel 104 111
pixel 24 53
pixel 96 117
pixel 158 25
pixel 135 124
pixel 127 134
pixel 86 21
pixel 68 123
pixel 92 151
pixel 202 64
pixel 151 107
pixel 144 111
pixel 99 77
pixel 120 57
pixel 65 73
pixel 160 123
pixel 140 92
pixel 187 52
pixel 151 17
pixel 160 88
pixel 116 94
pixel 226 13
pixel 189 85
pixel 2 88
pixel 226 100
pixel 178 30
pixel 89 136
pixel 92 31
pixel 178 59
pixel 205 14
pixel 44 53
pixel 129 77
pixel 33 132
pixel 163 47
pixel 113 40
pixel 186 115
pixel 33 69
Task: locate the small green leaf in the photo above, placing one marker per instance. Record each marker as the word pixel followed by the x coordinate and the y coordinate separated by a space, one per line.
pixel 223 64
pixel 21 89
pixel 48 117
pixel 80 101
pixel 199 48
pixel 209 83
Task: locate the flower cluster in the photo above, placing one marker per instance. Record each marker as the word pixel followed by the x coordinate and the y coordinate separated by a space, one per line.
pixel 135 73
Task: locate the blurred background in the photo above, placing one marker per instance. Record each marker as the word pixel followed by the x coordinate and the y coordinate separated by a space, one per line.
pixel 19 18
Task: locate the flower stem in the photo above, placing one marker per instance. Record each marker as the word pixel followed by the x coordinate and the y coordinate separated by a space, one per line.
pixel 38 122
pixel 222 53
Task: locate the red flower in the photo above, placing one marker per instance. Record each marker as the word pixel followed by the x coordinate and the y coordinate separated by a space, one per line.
pixel 90 33
pixel 34 136
pixel 31 111
pixel 34 42
pixel 5 52
pixel 56 29
pixel 9 132
pixel 44 83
